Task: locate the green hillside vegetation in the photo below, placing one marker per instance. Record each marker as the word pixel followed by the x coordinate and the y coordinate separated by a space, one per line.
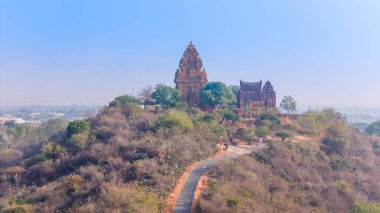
pixel 340 172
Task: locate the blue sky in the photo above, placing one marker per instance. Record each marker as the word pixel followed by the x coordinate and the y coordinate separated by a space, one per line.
pixel 324 52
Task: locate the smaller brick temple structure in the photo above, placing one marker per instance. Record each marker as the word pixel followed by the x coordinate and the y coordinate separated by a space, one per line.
pixel 190 76
pixel 252 94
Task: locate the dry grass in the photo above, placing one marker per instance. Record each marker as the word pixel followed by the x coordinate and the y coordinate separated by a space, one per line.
pixel 202 187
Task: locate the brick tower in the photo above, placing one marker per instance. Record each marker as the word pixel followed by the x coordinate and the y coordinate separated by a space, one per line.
pixel 190 75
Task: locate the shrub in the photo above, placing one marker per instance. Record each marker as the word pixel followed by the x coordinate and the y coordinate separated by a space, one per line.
pixel 365 208
pixel 77 126
pixel 262 131
pixel 74 184
pixel 174 120
pixel 132 198
pixel 41 173
pixel 229 115
pixel 131 110
pixel 275 121
pixel 10 156
pixel 124 100
pixel 283 135
pixel 245 134
pixel 16 172
pixel 231 202
pixel 79 140
pixel 339 163
pixel 208 118
pixel 51 150
pixel 264 123
pixel 336 145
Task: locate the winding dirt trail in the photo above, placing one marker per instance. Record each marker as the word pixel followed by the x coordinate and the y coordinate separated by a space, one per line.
pixel 186 196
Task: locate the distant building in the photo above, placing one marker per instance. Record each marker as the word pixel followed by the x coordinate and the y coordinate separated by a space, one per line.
pixel 6 119
pixel 190 76
pixel 252 94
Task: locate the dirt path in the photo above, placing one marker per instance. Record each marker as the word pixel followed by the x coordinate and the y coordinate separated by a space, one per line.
pixel 185 199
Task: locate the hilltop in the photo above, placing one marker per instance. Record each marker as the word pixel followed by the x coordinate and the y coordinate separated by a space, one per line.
pixel 129 158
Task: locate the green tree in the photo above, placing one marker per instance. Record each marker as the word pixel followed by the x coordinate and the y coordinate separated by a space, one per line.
pixel 218 132
pixel 262 131
pixel 373 129
pixel 77 126
pixel 289 104
pixel 123 100
pixel 174 120
pixel 245 134
pixel 229 115
pixel 263 128
pixel 235 89
pixel 283 135
pixel 166 96
pixel 216 93
pixel 78 132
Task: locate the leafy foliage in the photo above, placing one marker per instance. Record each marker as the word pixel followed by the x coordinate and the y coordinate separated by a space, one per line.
pixel 124 100
pixel 275 121
pixel 174 120
pixel 235 89
pixel 216 93
pixel 246 134
pixel 262 131
pixel 288 104
pixel 229 115
pixel 51 150
pixel 166 96
pixel 77 126
pixel 283 135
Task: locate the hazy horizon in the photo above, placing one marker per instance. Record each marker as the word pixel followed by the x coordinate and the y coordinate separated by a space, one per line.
pixel 323 53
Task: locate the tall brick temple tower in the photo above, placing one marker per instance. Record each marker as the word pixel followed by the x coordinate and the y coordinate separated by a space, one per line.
pixel 190 75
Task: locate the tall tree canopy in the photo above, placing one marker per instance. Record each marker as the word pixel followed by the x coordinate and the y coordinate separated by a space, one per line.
pixel 289 104
pixel 166 96
pixel 216 93
pixel 235 89
pixel 77 126
pixel 125 99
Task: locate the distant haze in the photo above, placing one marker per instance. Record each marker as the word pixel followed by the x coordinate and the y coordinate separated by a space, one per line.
pixel 324 53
